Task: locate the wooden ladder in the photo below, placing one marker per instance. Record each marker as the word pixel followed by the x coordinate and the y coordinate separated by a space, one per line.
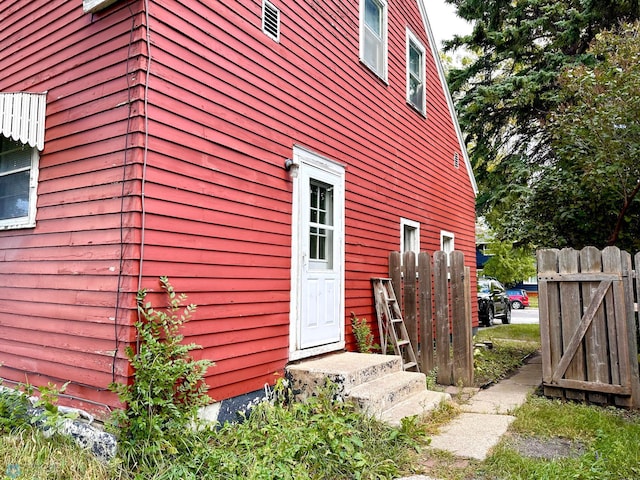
pixel 391 325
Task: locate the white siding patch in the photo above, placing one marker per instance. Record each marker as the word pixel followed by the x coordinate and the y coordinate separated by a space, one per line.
pixel 91 6
pixel 22 117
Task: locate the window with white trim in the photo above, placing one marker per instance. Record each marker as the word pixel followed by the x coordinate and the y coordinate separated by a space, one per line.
pixel 447 242
pixel 373 36
pixel 416 84
pixel 409 236
pixel 18 184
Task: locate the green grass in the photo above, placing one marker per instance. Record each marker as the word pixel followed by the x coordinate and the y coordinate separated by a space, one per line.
pixel 27 454
pixel 511 345
pixel 527 332
pixel 610 437
pixel 318 439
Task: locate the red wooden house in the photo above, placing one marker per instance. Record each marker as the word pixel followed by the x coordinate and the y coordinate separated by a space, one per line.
pixel 264 155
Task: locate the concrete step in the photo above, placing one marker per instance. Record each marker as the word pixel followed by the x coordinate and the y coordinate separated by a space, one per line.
pixel 347 370
pixel 380 394
pixel 420 403
pixel 375 383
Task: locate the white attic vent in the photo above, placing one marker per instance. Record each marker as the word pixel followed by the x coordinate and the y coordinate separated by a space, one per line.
pixel 271 20
pixel 456 160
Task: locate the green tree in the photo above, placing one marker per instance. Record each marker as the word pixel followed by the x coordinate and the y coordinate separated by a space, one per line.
pixel 509 264
pixel 505 97
pixel 596 136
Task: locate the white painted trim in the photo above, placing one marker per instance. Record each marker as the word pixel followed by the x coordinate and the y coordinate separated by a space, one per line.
pixel 412 39
pixel 451 235
pixel 445 87
pixel 266 4
pixel 28 221
pixel 384 74
pixel 92 6
pixel 22 117
pixel 415 225
pixel 306 156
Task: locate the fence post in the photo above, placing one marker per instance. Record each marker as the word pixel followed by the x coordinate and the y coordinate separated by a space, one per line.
pixel 442 317
pixel 549 312
pixel 410 316
pixel 633 329
pixel 627 276
pixel 395 273
pixel 426 312
pixel 461 330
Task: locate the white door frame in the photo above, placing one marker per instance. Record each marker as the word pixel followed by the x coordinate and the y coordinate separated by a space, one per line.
pixel 310 160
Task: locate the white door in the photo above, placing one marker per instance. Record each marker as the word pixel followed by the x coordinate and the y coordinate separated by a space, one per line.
pixel 318 263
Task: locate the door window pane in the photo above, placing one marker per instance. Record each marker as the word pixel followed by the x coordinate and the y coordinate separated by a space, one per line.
pixel 321 225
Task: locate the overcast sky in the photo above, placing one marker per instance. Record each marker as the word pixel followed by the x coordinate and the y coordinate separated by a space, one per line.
pixel 444 21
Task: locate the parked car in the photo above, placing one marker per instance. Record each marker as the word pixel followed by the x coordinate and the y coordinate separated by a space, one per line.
pixel 493 302
pixel 518 298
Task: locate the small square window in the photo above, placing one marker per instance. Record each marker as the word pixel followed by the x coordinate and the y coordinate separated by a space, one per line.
pixel 409 236
pixel 447 242
pixel 373 36
pixel 18 183
pixel 416 83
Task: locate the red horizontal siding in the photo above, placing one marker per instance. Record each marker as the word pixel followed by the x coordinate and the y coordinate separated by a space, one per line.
pixel 60 279
pixel 225 107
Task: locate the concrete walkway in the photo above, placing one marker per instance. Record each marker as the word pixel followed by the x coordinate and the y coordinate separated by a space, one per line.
pixel 486 416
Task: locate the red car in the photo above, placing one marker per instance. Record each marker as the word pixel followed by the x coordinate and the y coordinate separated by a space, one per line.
pixel 518 298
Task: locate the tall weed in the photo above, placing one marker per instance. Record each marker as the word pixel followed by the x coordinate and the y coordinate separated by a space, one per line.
pixel 168 385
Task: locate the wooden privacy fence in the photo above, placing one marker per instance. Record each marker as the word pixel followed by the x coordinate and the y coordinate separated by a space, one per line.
pixel 588 308
pixel 436 304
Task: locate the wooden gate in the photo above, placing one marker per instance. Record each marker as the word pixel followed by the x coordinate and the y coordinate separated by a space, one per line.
pixel 588 325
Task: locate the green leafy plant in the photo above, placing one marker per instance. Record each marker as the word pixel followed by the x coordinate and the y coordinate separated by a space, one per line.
pixel 14 408
pixel 168 384
pixel 48 415
pixel 363 334
pixel 320 438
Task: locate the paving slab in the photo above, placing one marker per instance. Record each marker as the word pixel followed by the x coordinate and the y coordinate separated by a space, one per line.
pixel 485 416
pixel 472 435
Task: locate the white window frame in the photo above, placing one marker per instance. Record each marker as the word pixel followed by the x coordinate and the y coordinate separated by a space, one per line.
pixel 381 70
pixel 414 228
pixel 412 40
pixel 447 239
pixel 29 220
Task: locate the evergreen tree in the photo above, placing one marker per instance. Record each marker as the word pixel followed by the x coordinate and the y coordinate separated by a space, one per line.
pixel 505 97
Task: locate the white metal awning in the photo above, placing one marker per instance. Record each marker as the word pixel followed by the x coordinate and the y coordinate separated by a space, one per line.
pixel 22 117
